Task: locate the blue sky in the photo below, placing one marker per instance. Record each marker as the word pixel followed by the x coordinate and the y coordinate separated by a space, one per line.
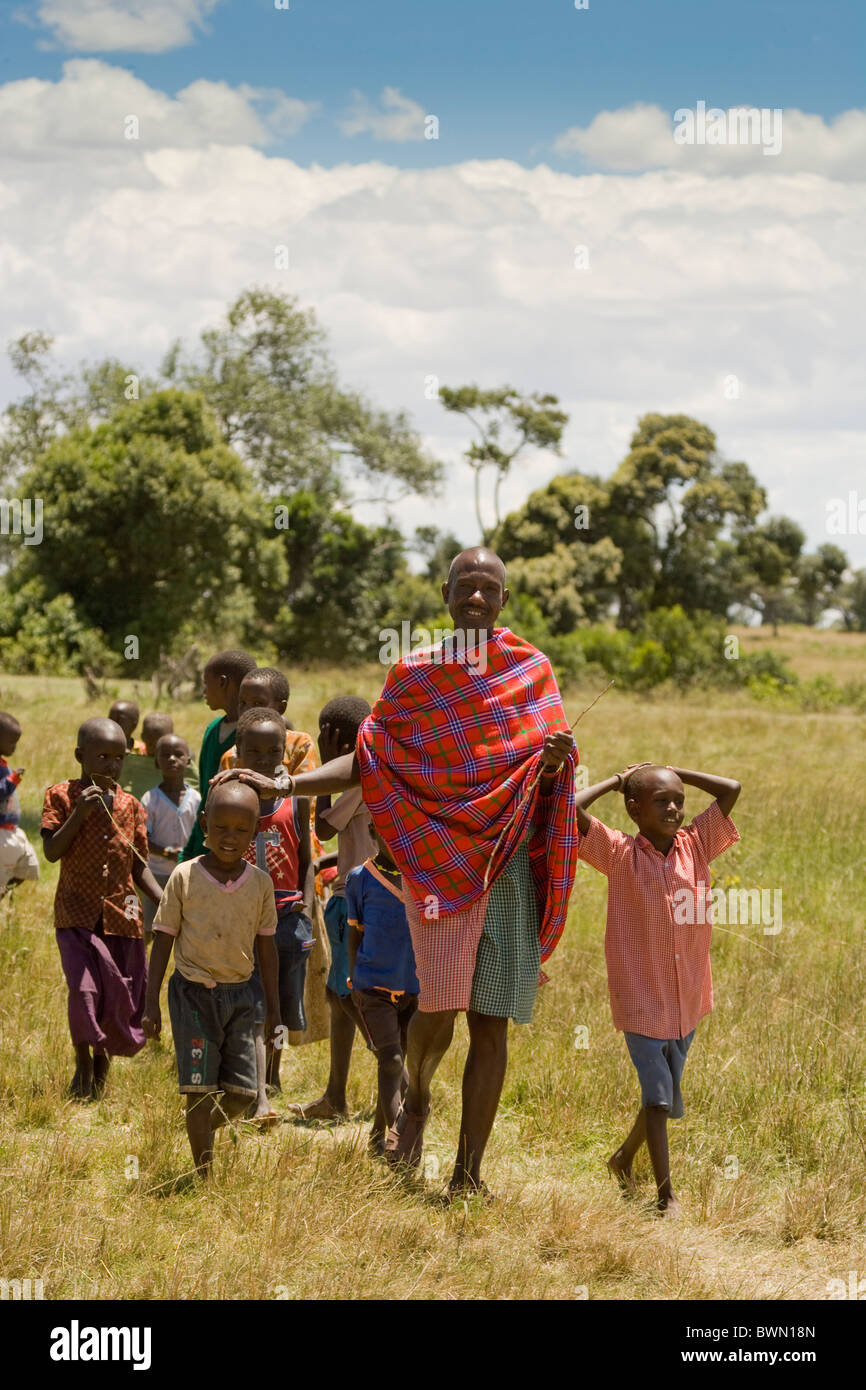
pixel 504 78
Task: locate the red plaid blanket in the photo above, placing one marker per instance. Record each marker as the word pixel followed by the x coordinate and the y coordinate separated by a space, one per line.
pixel 445 757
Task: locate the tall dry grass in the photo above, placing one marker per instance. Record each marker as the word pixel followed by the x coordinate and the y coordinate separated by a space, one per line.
pixel 770 1161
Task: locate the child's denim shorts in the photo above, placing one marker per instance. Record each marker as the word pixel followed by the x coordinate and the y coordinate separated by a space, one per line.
pixel 214 1035
pixel 659 1064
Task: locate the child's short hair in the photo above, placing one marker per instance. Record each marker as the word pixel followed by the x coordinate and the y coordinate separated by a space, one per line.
pixel 252 717
pixel 98 728
pixel 154 725
pixel 234 665
pixel 9 725
pixel 346 714
pixel 129 707
pixel 171 734
pixel 274 678
pixel 636 781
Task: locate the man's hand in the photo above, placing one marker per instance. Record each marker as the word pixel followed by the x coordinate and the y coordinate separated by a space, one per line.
pixel 152 1023
pixel 265 786
pixel 556 750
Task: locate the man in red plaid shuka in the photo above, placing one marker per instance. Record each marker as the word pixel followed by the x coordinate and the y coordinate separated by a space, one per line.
pixel 447 757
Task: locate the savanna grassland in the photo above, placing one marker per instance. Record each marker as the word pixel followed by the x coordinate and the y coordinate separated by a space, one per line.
pixel 769 1162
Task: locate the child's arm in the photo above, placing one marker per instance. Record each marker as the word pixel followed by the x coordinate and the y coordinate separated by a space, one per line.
pixel 324 829
pixel 144 878
pixel 55 843
pixel 352 946
pixel 587 795
pixel 724 789
pixel 266 947
pixel 160 952
pixel 306 871
pixel 9 779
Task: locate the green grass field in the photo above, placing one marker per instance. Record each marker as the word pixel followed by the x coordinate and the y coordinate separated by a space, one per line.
pixel 769 1162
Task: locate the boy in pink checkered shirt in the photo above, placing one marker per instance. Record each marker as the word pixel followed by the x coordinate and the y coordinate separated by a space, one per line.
pixel 658 956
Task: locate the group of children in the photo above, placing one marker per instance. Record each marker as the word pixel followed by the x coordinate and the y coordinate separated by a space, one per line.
pixel 226 877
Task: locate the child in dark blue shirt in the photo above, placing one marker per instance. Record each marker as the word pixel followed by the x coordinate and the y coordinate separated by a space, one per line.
pixel 383 980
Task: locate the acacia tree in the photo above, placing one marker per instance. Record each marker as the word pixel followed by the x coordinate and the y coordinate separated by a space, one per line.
pixel 266 373
pixel 507 424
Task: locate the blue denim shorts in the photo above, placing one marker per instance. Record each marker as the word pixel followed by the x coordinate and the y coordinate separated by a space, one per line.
pixel 214 1035
pixel 294 943
pixel 659 1064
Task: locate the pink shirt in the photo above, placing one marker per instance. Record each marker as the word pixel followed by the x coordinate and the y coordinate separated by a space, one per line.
pixel 658 968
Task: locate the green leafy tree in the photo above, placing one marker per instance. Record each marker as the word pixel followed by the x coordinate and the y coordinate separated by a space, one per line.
pixel 852 602
pixel 770 554
pixel 819 580
pixel 266 374
pixel 507 423
pixel 151 526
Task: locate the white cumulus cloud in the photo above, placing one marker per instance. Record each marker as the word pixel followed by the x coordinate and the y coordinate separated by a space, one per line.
pixel 463 273
pixel 397 117
pixel 95 105
pixel 139 26
pixel 642 136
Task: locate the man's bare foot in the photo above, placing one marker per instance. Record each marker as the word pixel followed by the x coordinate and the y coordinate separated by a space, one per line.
pixel 621 1170
pixel 376 1143
pixel 266 1119
pixel 320 1109
pixel 101 1063
pixel 669 1206
pixel 80 1087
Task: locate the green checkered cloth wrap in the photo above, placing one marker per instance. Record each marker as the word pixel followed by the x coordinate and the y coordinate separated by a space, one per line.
pixel 509 954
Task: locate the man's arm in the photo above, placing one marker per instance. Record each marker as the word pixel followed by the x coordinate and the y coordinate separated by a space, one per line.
pixel 587 795
pixel 724 789
pixel 163 942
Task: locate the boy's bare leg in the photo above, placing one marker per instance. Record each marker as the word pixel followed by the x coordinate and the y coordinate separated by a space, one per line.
pixel 657 1143
pixel 261 1106
pixel 101 1063
pixel 199 1110
pixel 428 1040
pixel 332 1105
pixel 620 1162
pixel 483 1076
pixel 81 1085
pixel 205 1113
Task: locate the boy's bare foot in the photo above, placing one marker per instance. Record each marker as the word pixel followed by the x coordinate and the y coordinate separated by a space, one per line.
pixel 101 1063
pixel 320 1109
pixel 376 1144
pixel 467 1188
pixel 621 1170
pixel 80 1087
pixel 669 1206
pixel 266 1119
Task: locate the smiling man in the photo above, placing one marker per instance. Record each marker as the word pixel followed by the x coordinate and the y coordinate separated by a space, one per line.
pixel 447 760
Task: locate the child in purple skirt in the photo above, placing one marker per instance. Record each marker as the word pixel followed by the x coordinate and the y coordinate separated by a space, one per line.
pixel 98 832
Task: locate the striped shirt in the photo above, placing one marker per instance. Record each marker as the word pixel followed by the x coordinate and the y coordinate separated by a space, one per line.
pixel 658 968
